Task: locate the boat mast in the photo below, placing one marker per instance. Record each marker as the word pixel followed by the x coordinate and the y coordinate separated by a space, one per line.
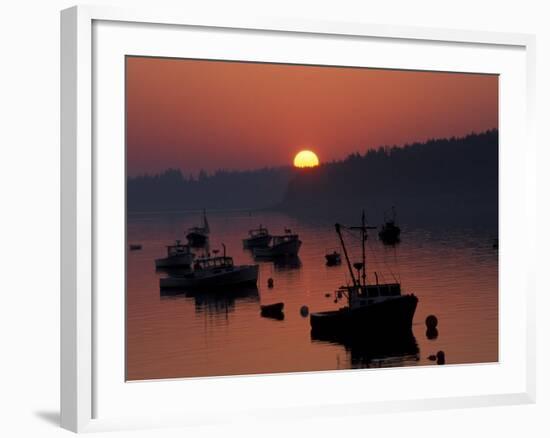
pixel 337 226
pixel 363 235
pixel 363 228
pixel 205 224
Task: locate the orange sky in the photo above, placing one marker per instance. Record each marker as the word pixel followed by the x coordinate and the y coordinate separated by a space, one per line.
pixel 194 115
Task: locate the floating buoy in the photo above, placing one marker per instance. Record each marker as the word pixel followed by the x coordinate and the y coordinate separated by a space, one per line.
pixel 432 334
pixel 304 311
pixel 440 356
pixel 431 321
pixel 270 283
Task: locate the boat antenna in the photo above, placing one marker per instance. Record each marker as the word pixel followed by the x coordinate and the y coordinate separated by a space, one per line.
pixel 223 244
pixel 338 231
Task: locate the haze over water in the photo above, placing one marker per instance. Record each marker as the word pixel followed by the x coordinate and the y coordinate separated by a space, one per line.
pixel 453 272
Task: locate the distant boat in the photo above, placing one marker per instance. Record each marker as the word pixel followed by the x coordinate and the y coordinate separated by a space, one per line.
pixel 178 256
pixel 372 309
pixel 257 238
pixel 286 245
pixel 390 232
pixel 198 236
pixel 135 247
pixel 333 258
pixel 212 273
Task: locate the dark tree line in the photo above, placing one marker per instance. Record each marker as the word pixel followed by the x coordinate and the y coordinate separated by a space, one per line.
pixel 172 190
pixel 443 179
pixel 439 179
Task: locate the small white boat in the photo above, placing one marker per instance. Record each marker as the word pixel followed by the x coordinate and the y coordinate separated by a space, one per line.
pixel 212 273
pixel 286 245
pixel 178 256
pixel 257 238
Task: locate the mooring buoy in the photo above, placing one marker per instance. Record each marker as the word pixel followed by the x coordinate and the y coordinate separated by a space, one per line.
pixel 431 321
pixel 432 334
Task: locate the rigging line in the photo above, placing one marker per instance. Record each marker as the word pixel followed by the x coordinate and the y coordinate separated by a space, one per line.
pixel 383 263
pixel 395 275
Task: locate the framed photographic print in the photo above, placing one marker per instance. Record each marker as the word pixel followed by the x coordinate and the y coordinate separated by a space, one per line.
pixel 267 207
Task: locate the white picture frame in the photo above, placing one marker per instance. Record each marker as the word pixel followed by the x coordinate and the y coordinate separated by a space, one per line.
pixel 85 373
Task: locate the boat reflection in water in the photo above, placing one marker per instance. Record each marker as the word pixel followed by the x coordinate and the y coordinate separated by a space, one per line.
pixel 287 263
pixel 219 301
pixel 379 350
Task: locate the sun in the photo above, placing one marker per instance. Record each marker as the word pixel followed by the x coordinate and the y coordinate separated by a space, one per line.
pixel 306 159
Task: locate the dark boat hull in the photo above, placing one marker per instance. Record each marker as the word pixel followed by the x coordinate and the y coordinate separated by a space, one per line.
pixel 285 249
pixel 256 242
pixel 243 275
pixel 393 315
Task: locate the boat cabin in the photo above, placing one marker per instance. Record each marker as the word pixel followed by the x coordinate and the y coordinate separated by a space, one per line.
pixel 177 249
pixel 258 232
pixel 277 240
pixel 381 290
pixel 365 295
pixel 213 263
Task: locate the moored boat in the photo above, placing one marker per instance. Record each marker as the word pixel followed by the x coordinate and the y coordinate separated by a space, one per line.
pixel 389 232
pixel 372 309
pixel 178 256
pixel 257 238
pixel 212 273
pixel 198 236
pixel 333 258
pixel 286 245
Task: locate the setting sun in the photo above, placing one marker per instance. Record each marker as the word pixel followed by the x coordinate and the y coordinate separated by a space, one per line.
pixel 306 159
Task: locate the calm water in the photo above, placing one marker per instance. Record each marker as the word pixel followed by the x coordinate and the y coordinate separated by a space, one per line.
pixel 453 272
